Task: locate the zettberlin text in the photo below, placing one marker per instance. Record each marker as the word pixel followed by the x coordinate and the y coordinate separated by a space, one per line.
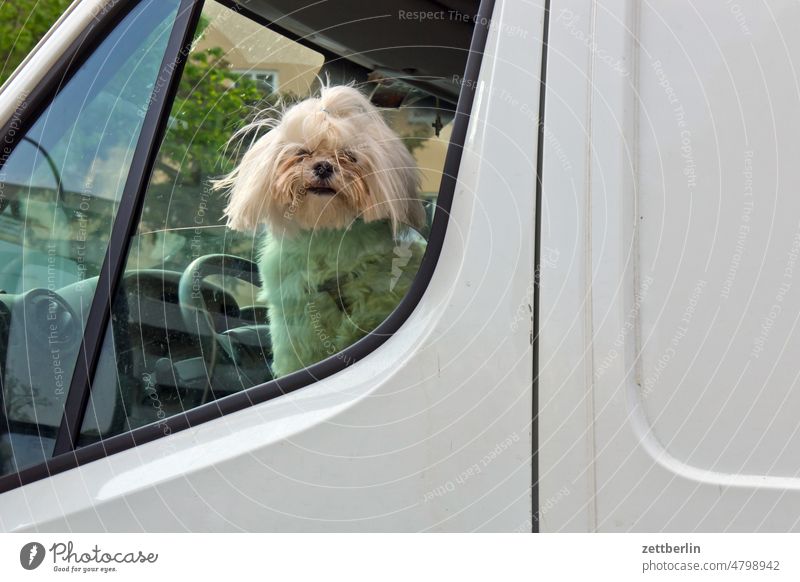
pixel 670 549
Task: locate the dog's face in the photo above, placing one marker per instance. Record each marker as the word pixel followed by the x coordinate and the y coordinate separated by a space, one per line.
pixel 328 161
pixel 324 173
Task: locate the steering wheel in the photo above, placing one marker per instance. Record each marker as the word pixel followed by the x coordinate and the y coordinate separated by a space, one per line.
pixel 195 312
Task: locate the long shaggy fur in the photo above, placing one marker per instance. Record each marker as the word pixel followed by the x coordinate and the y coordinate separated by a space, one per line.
pixel 338 192
pixel 328 288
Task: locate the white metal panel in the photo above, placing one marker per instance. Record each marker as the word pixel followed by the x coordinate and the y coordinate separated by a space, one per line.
pixel 566 445
pixel 693 383
pixel 430 432
pixel 720 233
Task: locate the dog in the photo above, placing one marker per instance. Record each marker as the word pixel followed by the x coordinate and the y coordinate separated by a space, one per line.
pixel 339 194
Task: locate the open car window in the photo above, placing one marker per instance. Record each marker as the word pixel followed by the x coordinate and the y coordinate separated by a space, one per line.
pixel 193 322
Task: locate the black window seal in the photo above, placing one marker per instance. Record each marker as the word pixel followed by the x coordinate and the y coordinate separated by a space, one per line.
pixel 28 111
pixel 537 271
pixel 32 104
pixel 336 363
pixel 125 223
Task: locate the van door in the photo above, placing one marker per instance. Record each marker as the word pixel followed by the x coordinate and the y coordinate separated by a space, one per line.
pixel 669 330
pixel 424 424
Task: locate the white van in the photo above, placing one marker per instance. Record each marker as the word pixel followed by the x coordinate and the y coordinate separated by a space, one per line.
pixel 601 336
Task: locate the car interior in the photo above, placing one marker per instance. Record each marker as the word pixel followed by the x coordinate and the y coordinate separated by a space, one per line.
pixel 188 326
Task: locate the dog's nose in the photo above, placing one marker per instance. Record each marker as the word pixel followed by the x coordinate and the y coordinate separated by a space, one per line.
pixel 323 170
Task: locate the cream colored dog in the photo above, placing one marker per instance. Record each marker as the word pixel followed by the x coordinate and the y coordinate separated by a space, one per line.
pixel 338 192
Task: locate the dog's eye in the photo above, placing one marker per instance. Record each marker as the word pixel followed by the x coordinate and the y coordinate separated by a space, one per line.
pixel 303 153
pixel 349 155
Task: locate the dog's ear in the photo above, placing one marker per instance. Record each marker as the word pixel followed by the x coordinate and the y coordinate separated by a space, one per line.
pixel 406 205
pixel 393 179
pixel 249 184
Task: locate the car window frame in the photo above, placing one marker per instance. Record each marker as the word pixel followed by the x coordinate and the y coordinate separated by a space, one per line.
pixel 67 455
pixel 28 111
